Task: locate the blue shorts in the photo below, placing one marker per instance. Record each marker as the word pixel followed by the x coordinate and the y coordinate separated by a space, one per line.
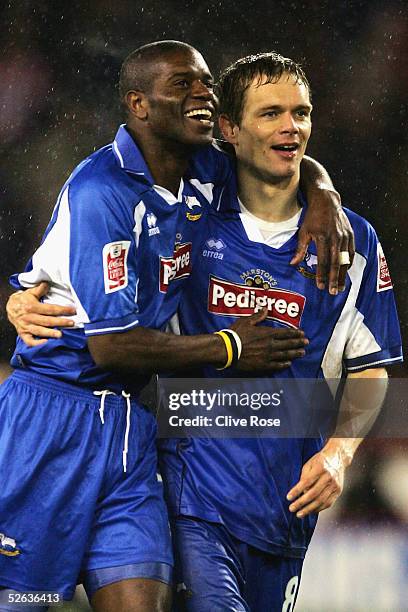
pixel 215 572
pixel 68 510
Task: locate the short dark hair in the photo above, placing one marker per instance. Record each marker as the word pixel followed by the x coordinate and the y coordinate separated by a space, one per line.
pixel 235 80
pixel 136 72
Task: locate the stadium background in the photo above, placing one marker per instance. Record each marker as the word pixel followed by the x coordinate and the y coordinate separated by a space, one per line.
pixel 59 63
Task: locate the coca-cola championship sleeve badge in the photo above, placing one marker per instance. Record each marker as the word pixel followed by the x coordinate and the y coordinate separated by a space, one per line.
pixel 115 270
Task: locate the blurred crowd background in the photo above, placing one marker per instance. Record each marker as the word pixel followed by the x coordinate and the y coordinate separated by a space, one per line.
pixel 59 66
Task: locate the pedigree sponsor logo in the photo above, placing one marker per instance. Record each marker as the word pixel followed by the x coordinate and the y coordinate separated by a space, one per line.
pixel 233 299
pixel 175 267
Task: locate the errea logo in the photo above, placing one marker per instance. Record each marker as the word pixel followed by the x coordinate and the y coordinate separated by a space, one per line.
pixel 215 243
pixel 214 246
pixel 151 224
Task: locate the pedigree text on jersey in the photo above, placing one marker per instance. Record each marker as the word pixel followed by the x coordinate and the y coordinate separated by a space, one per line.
pixel 175 267
pixel 233 299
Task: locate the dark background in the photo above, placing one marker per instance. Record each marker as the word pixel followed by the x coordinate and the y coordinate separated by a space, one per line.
pixel 58 99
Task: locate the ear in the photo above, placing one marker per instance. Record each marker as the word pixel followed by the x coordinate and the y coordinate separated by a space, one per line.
pixel 229 129
pixel 137 104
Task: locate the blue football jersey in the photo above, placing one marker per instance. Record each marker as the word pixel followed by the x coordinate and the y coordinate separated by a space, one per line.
pixel 243 483
pixel 118 248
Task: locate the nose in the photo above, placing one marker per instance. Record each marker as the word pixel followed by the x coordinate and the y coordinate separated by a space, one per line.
pixel 288 124
pixel 202 91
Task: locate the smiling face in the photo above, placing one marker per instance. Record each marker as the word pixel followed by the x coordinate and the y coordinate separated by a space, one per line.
pixel 275 127
pixel 181 103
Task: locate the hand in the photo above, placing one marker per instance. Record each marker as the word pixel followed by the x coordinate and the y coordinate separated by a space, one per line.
pixel 321 483
pixel 327 224
pixel 32 318
pixel 267 348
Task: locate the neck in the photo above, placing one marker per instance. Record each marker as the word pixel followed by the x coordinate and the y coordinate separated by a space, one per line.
pixel 269 201
pixel 166 160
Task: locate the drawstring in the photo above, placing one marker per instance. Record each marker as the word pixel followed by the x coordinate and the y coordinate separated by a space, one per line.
pixel 126 396
pixel 103 394
pixel 125 445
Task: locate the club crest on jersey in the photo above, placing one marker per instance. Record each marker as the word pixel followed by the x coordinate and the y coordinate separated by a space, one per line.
pixel 383 275
pixel 213 248
pixel 307 270
pixel 151 224
pixel 192 201
pixel 233 299
pixel 177 266
pixel 115 270
pixel 8 546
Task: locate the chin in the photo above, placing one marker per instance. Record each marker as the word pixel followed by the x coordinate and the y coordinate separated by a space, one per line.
pixel 200 141
pixel 283 175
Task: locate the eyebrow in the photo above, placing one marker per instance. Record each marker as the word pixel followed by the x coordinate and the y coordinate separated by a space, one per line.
pixel 308 107
pixel 175 75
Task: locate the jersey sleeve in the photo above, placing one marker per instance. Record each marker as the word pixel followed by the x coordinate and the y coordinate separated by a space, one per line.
pixel 374 339
pixel 89 255
pixel 103 261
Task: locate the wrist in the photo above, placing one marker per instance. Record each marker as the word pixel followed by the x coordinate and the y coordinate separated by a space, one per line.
pixel 334 195
pixel 342 448
pixel 220 354
pixel 233 346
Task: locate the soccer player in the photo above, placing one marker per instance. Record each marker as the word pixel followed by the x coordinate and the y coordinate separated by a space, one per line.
pixel 244 510
pixel 118 248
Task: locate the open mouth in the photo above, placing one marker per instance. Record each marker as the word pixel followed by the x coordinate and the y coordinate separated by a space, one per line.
pixel 203 115
pixel 286 151
pixel 286 147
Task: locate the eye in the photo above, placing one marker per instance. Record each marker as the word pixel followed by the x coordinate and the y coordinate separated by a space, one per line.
pixel 303 112
pixel 182 83
pixel 271 113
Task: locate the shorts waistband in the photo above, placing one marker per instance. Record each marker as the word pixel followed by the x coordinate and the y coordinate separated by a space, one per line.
pixel 50 384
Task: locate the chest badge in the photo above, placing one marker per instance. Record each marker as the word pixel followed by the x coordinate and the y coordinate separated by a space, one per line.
pixel 308 266
pixel 191 202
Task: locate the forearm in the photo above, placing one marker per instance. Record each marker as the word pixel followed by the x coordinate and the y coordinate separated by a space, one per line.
pixel 322 477
pixel 360 406
pixel 315 178
pixel 145 350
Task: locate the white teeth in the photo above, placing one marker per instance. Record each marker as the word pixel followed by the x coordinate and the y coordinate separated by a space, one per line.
pixel 201 111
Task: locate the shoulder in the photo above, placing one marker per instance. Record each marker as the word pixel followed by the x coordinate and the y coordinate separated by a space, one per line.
pixel 100 178
pixel 365 236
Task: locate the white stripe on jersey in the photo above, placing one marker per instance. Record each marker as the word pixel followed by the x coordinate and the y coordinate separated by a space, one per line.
pixel 173 326
pixel 374 363
pixel 118 153
pixel 51 263
pixel 205 188
pixel 105 330
pixel 350 332
pixel 140 211
pixel 361 341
